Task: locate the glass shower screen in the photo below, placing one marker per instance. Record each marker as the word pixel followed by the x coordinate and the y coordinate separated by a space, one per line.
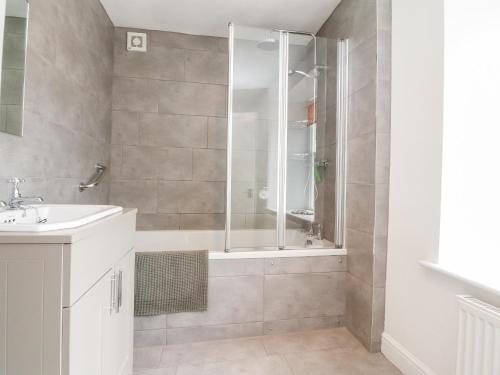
pixel 252 138
pixel 276 143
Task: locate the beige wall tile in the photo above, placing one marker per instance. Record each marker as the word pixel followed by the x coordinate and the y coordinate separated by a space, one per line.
pixel 362 113
pixel 363 64
pixel 203 221
pixel 125 128
pixel 157 63
pixel 209 165
pixel 360 255
pixel 207 67
pixel 382 165
pixel 383 106
pixel 187 98
pixel 186 41
pixel 359 309
pixel 217 133
pixel 360 202
pixel 379 262
pixel 190 197
pixel 13 48
pixel 381 209
pixel 158 221
pixel 162 130
pixel 133 94
pixel 141 194
pixel 378 318
pixel 152 162
pixel 361 159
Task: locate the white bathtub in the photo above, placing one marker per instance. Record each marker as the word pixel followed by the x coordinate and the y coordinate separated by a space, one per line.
pixel 250 244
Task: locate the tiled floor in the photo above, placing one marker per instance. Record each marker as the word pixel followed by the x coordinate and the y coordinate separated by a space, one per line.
pixel 324 352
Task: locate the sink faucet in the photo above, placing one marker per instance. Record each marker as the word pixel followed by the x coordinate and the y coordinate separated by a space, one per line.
pixel 16 200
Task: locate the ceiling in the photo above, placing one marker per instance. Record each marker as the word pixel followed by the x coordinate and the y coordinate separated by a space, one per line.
pixel 210 17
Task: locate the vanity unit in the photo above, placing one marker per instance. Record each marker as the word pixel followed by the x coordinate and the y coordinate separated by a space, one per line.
pixel 66 299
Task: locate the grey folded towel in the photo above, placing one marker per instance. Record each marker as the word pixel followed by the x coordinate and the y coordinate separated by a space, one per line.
pixel 170 282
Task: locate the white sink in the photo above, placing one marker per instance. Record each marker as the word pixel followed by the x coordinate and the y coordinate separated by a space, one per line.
pixel 42 218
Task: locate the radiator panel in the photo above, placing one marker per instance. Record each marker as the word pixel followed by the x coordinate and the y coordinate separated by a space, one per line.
pixel 478 338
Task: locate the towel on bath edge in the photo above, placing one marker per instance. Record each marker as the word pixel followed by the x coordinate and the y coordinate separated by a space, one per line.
pixel 170 282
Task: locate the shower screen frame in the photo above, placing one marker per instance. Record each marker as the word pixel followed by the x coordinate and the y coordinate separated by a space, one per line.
pixel 282 158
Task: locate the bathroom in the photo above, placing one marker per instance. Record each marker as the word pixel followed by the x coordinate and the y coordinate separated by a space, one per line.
pixel 249 166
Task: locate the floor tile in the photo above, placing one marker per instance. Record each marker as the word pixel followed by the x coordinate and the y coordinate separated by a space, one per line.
pixel 212 351
pixel 323 352
pixel 272 365
pixel 337 338
pixel 340 362
pixel 148 357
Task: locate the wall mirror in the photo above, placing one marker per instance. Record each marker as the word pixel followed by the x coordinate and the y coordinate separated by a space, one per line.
pixel 13 41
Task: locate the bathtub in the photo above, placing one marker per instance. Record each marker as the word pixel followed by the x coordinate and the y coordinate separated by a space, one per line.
pixel 252 291
pixel 248 244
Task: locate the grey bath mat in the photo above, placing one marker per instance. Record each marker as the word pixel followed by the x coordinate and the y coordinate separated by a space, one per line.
pixel 170 282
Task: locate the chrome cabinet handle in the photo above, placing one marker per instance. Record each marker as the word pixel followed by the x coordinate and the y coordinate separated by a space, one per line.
pixel 120 291
pixel 112 305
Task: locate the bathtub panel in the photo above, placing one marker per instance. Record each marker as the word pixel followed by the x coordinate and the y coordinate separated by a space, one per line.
pixel 230 300
pixel 235 267
pixel 275 266
pixel 304 295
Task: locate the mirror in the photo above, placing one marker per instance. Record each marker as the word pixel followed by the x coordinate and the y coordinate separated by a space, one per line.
pixel 13 23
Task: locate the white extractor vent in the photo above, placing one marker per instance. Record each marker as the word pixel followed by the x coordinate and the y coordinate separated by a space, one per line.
pixel 478 338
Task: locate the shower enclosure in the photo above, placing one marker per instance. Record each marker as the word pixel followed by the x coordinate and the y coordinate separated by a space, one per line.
pixel 287 106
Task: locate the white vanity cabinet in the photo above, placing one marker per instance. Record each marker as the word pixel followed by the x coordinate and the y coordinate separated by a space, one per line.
pixel 66 300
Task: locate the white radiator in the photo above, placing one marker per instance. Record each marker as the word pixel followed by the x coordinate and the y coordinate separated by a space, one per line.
pixel 478 338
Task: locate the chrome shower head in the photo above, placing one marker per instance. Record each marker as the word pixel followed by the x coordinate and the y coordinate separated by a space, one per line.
pixel 269 44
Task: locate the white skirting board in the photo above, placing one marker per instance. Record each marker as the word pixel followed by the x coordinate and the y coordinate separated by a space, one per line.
pixel 406 362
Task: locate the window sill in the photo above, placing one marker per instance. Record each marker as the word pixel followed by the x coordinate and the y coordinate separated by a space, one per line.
pixel 461 277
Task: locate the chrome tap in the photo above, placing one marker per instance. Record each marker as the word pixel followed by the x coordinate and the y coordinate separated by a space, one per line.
pixel 16 200
pixel 310 236
pixel 319 231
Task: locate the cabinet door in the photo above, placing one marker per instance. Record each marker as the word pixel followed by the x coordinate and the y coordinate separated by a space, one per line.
pixel 119 350
pixel 30 309
pixel 86 327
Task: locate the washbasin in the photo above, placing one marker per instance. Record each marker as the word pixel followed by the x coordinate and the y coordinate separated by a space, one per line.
pixel 47 217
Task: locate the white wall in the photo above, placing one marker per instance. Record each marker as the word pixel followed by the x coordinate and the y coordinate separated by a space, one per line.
pixel 421 308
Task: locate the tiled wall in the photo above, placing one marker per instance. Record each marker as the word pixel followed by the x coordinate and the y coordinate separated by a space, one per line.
pixel 366 23
pixel 168 133
pixel 251 297
pixel 67 116
pixel 13 59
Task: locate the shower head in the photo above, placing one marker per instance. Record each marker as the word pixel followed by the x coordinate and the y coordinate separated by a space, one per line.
pixel 292 72
pixel 269 44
